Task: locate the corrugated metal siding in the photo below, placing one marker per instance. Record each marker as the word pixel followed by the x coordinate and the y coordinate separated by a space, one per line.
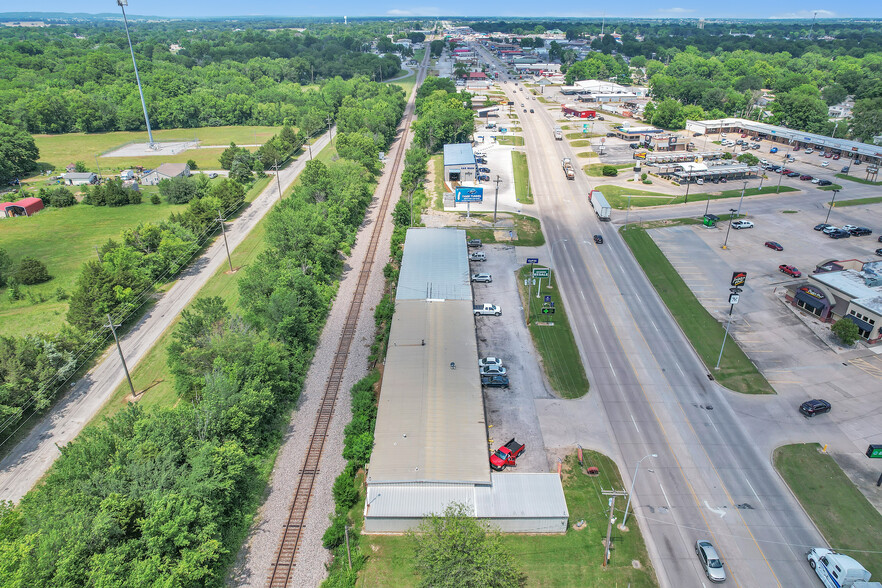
pixel 514 495
pixel 459 154
pixel 380 525
pixel 416 499
pixel 435 266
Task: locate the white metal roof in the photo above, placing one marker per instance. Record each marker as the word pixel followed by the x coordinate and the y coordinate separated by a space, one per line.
pixel 435 265
pixel 509 495
pixel 458 154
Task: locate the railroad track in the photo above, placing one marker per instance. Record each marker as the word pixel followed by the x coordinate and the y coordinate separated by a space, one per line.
pixel 286 556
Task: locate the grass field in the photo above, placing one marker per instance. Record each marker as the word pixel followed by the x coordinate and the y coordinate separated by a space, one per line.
pixel 847 520
pixel 704 332
pixel 523 191
pixel 438 167
pixel 595 170
pixel 856 201
pixel 529 230
pixel 556 344
pixel 572 559
pixel 64 238
pixel 858 180
pixel 60 150
pixel 618 195
pixel 515 141
pixel 586 154
pixel 830 187
pixel 204 158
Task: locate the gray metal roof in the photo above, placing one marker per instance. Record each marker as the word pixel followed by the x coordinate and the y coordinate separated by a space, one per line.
pixel 509 495
pixel 430 418
pixel 435 266
pixel 458 154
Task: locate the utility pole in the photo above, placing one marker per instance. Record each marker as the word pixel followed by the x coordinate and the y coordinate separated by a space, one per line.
pixel 278 183
pixel 329 121
pixel 612 502
pixel 122 4
pixel 686 200
pixel 829 210
pixel 221 220
pixel 348 553
pixel 740 200
pixel 496 200
pixel 732 212
pixel 122 358
pixel 725 336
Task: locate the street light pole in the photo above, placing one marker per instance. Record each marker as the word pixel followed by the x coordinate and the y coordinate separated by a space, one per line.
pixel 835 192
pixel 732 212
pixel 740 200
pixel 631 492
pixel 686 200
pixel 122 4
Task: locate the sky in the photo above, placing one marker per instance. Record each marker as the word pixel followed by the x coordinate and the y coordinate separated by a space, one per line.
pixel 465 8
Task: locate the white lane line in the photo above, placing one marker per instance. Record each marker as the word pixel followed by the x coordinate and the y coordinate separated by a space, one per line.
pixel 582 294
pixel 635 423
pixel 754 492
pixel 668 502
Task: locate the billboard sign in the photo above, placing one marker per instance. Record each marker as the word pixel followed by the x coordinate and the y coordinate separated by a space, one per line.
pixel 469 194
pixel 874 451
pixel 738 278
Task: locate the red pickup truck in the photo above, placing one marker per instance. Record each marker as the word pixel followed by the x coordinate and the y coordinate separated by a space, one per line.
pixel 506 455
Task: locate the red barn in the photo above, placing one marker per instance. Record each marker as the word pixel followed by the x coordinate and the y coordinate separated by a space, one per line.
pixel 24 207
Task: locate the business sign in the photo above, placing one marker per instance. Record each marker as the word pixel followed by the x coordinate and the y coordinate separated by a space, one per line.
pixel 812 292
pixel 547 311
pixel 469 194
pixel 874 451
pixel 541 272
pixel 738 278
pixel 532 260
pixel 672 140
pixel 547 298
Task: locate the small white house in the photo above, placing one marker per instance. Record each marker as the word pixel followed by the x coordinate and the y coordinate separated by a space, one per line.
pixel 166 171
pixel 126 174
pixel 79 178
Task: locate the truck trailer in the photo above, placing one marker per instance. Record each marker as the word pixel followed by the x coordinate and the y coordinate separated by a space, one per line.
pixel 600 205
pixel 558 133
pixel 568 168
pixel 837 570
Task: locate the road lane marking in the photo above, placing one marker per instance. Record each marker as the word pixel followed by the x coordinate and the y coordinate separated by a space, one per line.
pixel 754 492
pixel 635 423
pixel 665 494
pixel 719 511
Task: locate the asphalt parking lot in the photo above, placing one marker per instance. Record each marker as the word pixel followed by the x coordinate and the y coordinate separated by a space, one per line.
pixel 798 363
pixel 511 412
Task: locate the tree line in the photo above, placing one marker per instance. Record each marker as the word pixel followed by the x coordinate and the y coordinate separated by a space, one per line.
pixel 444 115
pixel 165 496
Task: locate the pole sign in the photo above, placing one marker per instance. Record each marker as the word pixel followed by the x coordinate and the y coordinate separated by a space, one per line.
pixel 532 260
pixel 738 278
pixel 733 298
pixel 469 194
pixel 547 311
pixel 874 451
pixel 541 272
pixel 547 298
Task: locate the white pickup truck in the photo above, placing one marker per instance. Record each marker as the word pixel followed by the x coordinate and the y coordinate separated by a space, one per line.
pixel 487 308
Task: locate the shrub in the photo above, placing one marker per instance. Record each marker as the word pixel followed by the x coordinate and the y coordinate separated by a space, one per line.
pixel 345 494
pixel 846 330
pixel 335 535
pixel 31 271
pixel 610 170
pixel 179 190
pixel 192 164
pixel 155 199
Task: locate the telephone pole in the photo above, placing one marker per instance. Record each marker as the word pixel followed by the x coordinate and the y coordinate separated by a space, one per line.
pixel 496 200
pixel 278 184
pixel 122 358
pixel 221 220
pixel 612 502
pixel 330 132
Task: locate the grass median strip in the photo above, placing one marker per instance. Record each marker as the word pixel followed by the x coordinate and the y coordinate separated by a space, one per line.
pixel 515 141
pixel 595 170
pixel 704 332
pixel 523 192
pixel 572 559
pixel 528 230
pixel 855 201
pixel 845 517
pixel 554 338
pixel 858 180
pixel 618 195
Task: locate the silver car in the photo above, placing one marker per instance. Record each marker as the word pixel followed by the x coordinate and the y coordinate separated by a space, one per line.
pixel 482 278
pixel 710 561
pixel 493 370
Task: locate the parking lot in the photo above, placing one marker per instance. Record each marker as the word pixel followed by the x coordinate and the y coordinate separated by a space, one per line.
pixel 510 412
pixel 799 363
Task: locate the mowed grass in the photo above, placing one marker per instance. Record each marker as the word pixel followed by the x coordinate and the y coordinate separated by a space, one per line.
pixel 571 559
pixel 704 332
pixel 595 170
pixel 515 141
pixel 528 230
pixel 60 150
pixel 847 520
pixel 556 344
pixel 618 195
pixel 858 180
pixel 523 193
pixel 855 201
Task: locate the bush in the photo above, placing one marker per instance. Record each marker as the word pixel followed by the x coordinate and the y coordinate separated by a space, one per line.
pixel 345 494
pixel 155 199
pixel 179 190
pixel 31 271
pixel 59 197
pixel 335 535
pixel 846 330
pixel 610 170
pixel 191 163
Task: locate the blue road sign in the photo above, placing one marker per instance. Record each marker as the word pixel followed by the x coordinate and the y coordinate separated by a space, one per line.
pixel 547 298
pixel 532 260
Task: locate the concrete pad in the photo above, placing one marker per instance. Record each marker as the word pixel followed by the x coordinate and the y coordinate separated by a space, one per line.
pixel 144 149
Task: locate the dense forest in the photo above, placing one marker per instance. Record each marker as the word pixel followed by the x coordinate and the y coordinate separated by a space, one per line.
pixel 81 79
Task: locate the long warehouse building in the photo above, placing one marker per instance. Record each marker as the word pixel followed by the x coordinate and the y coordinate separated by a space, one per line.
pixel 430 441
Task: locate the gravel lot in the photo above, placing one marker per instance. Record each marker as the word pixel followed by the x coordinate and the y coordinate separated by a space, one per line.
pixel 512 412
pixel 259 550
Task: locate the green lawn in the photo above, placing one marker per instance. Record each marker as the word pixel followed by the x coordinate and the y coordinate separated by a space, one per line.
pixel 523 191
pixel 60 150
pixel 582 135
pixel 556 344
pixel 580 143
pixel 847 520
pixel 438 161
pixel 704 332
pixel 618 195
pixel 529 230
pixel 855 201
pixel 572 559
pixel 858 180
pixel 586 154
pixel 595 170
pixel 515 141
pixel 830 187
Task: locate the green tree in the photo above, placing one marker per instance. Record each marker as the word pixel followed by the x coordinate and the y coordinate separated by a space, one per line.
pixel 748 159
pixel 359 147
pixel 180 190
pixel 6 266
pixel 610 171
pixel 668 114
pixel 31 271
pixel 833 94
pixel 866 121
pixel 18 153
pixel 456 550
pixel 846 330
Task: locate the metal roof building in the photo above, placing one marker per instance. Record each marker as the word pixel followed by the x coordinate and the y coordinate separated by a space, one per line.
pixel 430 440
pixel 459 162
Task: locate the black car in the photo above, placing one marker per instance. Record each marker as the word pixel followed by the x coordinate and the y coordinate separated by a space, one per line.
pixel 879 251
pixel 484 178
pixel 825 183
pixel 485 170
pixel 598 239
pixel 474 243
pixel 840 234
pixel 610 134
pixel 821 226
pixel 812 407
pixel 793 175
pixel 494 381
pixel 860 231
pixel 531 111
pixel 879 239
pixel 634 145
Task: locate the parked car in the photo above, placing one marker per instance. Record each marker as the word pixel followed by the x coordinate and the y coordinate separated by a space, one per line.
pixel 477 256
pixel 483 178
pixel 598 239
pixel 723 180
pixel 482 278
pixel 835 156
pixel 485 361
pixel 634 145
pixel 845 169
pixel 494 381
pixel 212 175
pixel 742 224
pixel 786 171
pixel 816 180
pixel 848 227
pixel 773 150
pixel 828 155
pixel 699 181
pixel 858 162
pixel 793 175
pixel 879 251
pixel 830 229
pixel 825 164
pixel 812 407
pixel 531 110
pixel 790 270
pixel 506 455
pixel 710 560
pixel 485 170
pixel 825 183
pixel 805 177
pixel 474 243
pixel 839 234
pixel 880 238
pixel 493 370
pixel 809 150
pixel 774 245
pixel 822 226
pixel 860 231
